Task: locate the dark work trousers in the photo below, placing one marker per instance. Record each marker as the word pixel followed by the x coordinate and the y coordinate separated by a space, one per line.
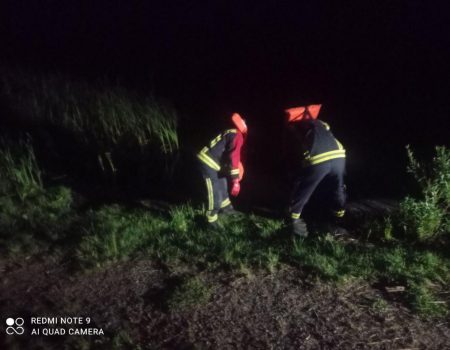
pixel 329 173
pixel 217 191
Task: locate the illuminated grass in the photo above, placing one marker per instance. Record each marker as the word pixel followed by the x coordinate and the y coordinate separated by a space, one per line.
pixel 243 244
pixel 20 174
pixel 34 218
pixel 106 120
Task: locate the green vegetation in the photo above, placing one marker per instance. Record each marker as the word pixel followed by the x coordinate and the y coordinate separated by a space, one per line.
pixel 122 340
pixel 116 233
pixel 406 249
pixel 428 216
pixel 30 216
pixel 379 305
pixel 113 233
pixel 393 264
pixel 105 126
pixel 20 175
pixel 190 293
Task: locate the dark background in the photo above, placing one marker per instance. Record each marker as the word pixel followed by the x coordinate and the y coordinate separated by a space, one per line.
pixel 380 68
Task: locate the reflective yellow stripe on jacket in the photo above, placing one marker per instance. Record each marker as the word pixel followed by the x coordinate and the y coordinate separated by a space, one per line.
pixel 205 158
pixel 203 155
pixel 323 157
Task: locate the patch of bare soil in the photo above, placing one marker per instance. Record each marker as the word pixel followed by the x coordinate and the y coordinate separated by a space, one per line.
pixel 261 311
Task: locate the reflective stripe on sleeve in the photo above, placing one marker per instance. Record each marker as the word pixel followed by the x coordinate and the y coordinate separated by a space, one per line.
pixel 208 161
pixel 215 141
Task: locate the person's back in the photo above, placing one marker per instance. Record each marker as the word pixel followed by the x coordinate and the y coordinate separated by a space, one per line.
pixel 316 156
pixel 319 144
pixel 221 149
pixel 220 160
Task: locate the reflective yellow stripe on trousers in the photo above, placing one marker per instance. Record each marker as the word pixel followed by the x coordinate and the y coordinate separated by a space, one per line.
pixel 225 203
pixel 295 215
pixel 212 218
pixel 210 194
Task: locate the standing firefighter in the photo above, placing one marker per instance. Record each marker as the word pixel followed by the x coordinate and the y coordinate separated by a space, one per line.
pixel 317 157
pixel 220 160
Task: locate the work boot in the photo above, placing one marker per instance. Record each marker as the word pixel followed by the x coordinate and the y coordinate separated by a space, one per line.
pixel 213 225
pixel 299 227
pixel 335 227
pixel 211 219
pixel 338 230
pixel 229 210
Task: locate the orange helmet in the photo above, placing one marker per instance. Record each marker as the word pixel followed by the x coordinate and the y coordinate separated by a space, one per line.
pixel 297 114
pixel 239 123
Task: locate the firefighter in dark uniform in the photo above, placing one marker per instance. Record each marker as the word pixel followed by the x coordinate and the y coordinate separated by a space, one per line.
pixel 316 157
pixel 220 161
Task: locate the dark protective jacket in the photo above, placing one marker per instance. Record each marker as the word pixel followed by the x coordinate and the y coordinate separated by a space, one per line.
pixel 224 152
pixel 312 142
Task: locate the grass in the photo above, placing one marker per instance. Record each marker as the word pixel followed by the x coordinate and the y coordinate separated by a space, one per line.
pixel 102 110
pixel 189 293
pixel 44 219
pixel 404 250
pixel 107 127
pixel 112 234
pixel 20 175
pixel 244 243
pixel 380 305
pixel 115 233
pixel 391 264
pixel 31 216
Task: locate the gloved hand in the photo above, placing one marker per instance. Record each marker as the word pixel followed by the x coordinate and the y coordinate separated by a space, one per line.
pixel 235 188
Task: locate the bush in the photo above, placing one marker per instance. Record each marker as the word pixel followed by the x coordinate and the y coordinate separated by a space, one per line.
pixel 427 217
pixel 421 219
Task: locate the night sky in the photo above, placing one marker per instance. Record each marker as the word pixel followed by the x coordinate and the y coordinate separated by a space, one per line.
pixel 381 68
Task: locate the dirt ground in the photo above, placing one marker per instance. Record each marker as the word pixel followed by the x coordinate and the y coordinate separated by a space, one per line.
pixel 282 310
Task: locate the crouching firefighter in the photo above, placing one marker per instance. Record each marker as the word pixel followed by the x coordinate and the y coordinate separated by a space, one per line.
pixel 221 161
pixel 316 157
